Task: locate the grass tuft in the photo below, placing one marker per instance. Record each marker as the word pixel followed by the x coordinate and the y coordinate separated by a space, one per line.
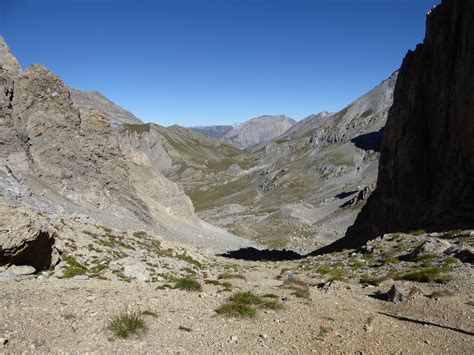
pixel 236 310
pixel 126 324
pixel 226 276
pixel 187 284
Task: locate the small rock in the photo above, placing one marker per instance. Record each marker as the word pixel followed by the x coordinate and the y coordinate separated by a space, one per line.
pixel 234 339
pixel 7 276
pixel 81 278
pixel 21 270
pixel 396 294
pixel 368 328
pixel 263 336
pixel 203 295
pixel 463 252
pixel 3 341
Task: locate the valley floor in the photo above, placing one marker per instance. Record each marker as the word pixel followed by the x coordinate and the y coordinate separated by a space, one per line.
pixel 50 314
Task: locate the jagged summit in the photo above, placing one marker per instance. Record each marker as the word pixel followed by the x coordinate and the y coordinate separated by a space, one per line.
pixel 7 59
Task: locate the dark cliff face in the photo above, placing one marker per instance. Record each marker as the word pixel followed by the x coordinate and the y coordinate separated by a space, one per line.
pixel 426 170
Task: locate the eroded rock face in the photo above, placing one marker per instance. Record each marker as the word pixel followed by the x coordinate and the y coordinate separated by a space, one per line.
pixel 426 171
pixel 26 238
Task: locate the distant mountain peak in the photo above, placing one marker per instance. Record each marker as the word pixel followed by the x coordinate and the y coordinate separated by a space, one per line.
pixel 96 100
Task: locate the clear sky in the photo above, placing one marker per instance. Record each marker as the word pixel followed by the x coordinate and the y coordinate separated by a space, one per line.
pixel 204 62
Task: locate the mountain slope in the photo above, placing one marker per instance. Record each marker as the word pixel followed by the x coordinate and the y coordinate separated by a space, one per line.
pixel 66 162
pixel 94 99
pixel 182 155
pixel 212 131
pixel 307 185
pixel 257 130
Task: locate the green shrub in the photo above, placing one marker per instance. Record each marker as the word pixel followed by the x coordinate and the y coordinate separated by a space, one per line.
pixel 232 309
pixel 323 331
pixel 429 274
pixel 127 324
pixel 246 298
pixel 187 284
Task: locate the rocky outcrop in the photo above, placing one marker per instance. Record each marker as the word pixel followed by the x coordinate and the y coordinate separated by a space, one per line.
pixel 426 171
pixel 26 238
pixel 257 130
pixel 94 99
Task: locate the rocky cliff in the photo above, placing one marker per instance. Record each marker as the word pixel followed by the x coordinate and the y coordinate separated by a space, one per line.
pixel 426 171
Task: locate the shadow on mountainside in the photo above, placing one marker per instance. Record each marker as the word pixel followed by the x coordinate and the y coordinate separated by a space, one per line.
pixel 253 254
pixel 369 141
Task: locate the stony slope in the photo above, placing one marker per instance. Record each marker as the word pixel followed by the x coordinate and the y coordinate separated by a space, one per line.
pixel 427 162
pixel 257 130
pixel 94 99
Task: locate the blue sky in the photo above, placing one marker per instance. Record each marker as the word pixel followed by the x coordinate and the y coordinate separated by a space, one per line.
pixel 204 62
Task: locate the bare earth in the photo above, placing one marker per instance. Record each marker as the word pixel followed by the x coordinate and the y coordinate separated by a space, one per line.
pixel 340 317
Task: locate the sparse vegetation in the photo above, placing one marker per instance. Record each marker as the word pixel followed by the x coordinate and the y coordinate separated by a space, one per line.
pixel 441 293
pixel 73 267
pixel 150 313
pixel 333 273
pixel 226 276
pixel 300 289
pixel 232 309
pixel 323 331
pixel 244 304
pixel 187 284
pixel 126 324
pixel 425 274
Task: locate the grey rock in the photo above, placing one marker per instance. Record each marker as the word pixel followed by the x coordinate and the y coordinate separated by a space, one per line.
pixel 396 294
pixel 462 251
pixel 21 270
pixel 80 278
pixel 431 246
pixel 3 341
pixel 135 270
pixel 7 276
